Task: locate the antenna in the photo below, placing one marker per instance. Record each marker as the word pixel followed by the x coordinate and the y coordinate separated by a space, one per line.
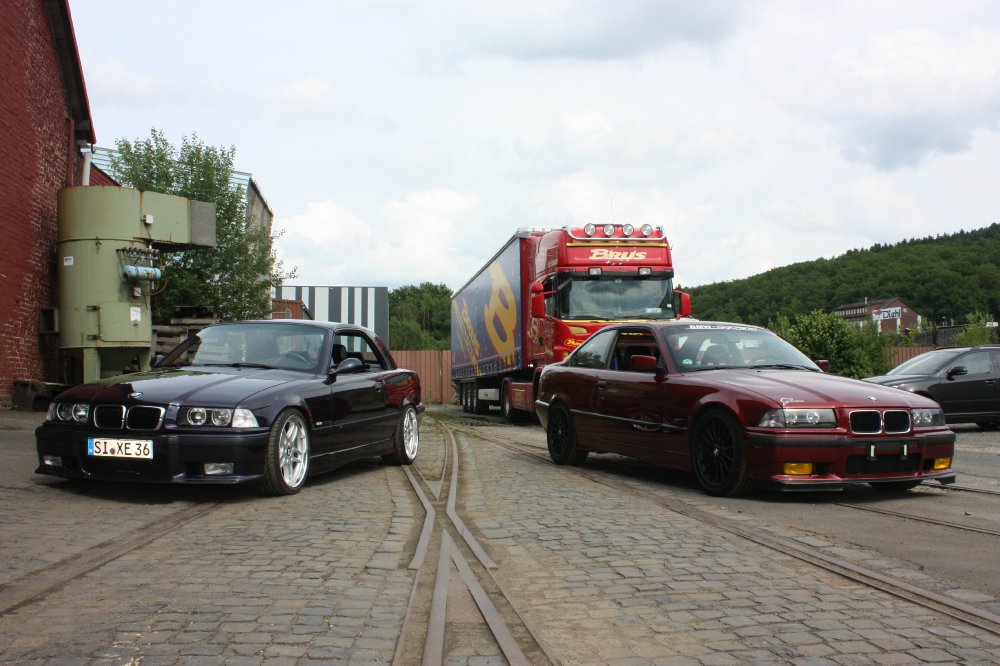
pixel 612 207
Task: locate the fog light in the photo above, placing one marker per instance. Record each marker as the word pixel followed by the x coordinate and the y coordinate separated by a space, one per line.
pixel 218 469
pixel 799 469
pixel 942 463
pixel 52 461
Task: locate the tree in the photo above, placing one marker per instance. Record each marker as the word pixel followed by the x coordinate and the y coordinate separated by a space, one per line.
pixel 420 316
pixel 976 331
pixel 237 276
pixel 852 352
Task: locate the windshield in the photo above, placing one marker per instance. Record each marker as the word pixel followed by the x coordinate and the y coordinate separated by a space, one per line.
pixel 714 346
pixel 614 298
pixel 925 364
pixel 285 346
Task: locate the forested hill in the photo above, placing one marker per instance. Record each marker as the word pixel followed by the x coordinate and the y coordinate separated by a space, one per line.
pixel 947 277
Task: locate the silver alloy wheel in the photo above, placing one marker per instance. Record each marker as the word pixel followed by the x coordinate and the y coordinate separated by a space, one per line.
pixel 411 433
pixel 293 451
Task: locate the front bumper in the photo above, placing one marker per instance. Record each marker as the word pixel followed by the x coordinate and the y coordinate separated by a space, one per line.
pixel 178 457
pixel 841 461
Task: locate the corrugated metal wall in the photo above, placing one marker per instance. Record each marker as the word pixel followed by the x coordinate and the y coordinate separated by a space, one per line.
pixel 434 368
pixel 367 306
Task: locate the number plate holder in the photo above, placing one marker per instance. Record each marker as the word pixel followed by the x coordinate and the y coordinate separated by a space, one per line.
pixel 133 449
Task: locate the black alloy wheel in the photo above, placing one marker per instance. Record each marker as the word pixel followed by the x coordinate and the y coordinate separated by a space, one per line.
pixel 561 438
pixel 718 455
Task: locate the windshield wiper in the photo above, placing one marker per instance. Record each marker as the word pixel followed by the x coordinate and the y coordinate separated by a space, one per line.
pixel 248 365
pixel 783 366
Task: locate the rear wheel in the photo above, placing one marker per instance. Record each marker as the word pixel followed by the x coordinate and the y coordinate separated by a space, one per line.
pixel 477 406
pixel 561 438
pixel 718 455
pixel 406 441
pixel 286 463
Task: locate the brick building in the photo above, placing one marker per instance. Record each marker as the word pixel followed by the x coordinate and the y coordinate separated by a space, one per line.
pixel 890 315
pixel 45 122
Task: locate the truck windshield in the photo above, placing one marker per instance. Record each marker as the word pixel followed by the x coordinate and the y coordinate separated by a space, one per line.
pixel 614 298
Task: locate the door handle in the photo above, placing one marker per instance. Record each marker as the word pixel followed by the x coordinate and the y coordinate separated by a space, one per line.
pixel 602 383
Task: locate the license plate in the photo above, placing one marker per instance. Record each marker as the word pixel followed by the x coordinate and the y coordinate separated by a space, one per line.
pixel 120 448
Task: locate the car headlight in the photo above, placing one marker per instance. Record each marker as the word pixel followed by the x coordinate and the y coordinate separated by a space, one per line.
pixel 219 418
pixel 798 418
pixel 68 411
pixel 928 417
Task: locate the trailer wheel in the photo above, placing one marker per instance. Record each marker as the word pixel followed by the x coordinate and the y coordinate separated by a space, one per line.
pixel 479 407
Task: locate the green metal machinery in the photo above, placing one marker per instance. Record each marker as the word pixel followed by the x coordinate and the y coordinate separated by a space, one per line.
pixel 111 241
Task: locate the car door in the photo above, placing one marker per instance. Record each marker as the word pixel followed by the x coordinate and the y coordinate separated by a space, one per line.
pixel 359 397
pixel 577 385
pixel 628 401
pixel 968 385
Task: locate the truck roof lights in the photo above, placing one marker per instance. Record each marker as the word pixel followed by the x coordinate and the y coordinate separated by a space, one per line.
pixel 628 230
pixel 646 230
pixel 590 229
pixel 594 271
pixel 609 230
pixel 645 271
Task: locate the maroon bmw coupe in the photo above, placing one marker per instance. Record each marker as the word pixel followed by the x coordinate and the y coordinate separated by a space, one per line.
pixel 737 404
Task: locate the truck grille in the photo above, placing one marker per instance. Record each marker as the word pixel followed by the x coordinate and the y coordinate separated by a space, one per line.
pixel 137 417
pixel 874 422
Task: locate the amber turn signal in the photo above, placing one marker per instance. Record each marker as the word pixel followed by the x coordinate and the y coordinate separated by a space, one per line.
pixel 942 463
pixel 798 468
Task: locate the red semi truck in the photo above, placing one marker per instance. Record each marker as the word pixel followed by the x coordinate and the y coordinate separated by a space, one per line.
pixel 542 295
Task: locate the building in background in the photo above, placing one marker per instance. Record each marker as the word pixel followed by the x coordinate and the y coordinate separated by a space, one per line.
pixel 365 306
pixel 890 315
pixel 46 123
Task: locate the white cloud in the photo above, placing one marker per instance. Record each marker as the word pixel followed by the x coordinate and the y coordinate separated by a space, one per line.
pixel 311 94
pixel 415 239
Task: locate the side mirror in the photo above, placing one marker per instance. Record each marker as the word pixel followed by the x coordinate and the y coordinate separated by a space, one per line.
pixel 957 371
pixel 537 300
pixel 824 365
pixel 348 365
pixel 683 303
pixel 642 363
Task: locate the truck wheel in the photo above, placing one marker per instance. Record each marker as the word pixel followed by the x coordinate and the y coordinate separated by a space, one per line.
pixel 505 409
pixel 479 407
pixel 561 438
pixel 719 455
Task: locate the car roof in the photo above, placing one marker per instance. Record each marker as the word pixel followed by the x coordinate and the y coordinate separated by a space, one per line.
pixel 329 325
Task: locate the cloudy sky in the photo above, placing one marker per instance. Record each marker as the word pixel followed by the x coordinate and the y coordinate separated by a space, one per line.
pixel 403 141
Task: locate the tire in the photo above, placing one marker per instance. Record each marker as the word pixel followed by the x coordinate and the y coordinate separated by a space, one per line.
pixel 406 440
pixel 479 407
pixel 561 438
pixel 286 463
pixel 506 410
pixel 895 486
pixel 718 455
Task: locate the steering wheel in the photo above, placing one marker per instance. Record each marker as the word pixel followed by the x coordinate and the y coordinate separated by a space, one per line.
pixel 298 357
pixel 766 360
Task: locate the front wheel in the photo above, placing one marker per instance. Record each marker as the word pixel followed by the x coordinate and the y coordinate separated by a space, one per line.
pixel 718 455
pixel 286 464
pixel 561 438
pixel 406 441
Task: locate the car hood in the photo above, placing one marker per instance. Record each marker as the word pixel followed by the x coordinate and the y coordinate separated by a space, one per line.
pixel 209 386
pixel 792 387
pixel 893 380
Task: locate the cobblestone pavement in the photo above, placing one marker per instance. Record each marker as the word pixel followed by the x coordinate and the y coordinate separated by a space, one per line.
pixel 604 577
